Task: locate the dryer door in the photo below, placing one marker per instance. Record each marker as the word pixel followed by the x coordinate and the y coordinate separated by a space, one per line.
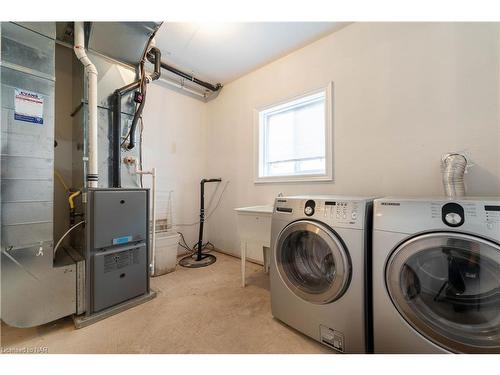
pixel 312 261
pixel 447 287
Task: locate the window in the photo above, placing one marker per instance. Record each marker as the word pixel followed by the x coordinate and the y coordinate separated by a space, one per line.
pixel 294 139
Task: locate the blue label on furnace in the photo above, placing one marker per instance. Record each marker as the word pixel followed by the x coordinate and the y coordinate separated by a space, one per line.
pixel 122 240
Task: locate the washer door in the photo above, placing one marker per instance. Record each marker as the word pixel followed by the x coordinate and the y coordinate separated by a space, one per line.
pixel 312 262
pixel 447 287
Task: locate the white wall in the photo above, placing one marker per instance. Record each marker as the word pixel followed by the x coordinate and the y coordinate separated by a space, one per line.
pixel 175 133
pixel 404 94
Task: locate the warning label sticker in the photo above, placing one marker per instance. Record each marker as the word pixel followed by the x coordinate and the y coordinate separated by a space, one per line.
pixel 332 338
pixel 28 106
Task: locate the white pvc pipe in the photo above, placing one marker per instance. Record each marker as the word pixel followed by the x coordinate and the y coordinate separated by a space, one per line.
pixel 91 71
pixel 152 172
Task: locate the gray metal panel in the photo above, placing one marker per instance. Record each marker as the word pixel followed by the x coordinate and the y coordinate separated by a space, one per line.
pixel 112 75
pixel 129 177
pixel 19 190
pixel 26 212
pixel 26 49
pixel 27 152
pixel 80 287
pixel 108 222
pixel 35 287
pixel 33 292
pixel 78 152
pixel 80 278
pixel 128 41
pixel 119 213
pixel 119 275
pixel 86 320
pixel 45 28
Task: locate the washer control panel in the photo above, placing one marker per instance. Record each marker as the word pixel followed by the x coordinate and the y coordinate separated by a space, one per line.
pixel 332 210
pixel 492 217
pixel 409 215
pixel 342 212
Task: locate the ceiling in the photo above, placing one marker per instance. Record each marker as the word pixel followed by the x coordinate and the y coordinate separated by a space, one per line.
pixel 222 52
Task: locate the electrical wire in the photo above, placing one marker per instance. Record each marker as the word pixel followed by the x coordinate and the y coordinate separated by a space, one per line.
pixel 207 245
pixel 126 137
pixel 140 149
pixel 64 235
pixel 61 180
pixel 142 89
pixel 183 244
pixel 192 250
pixel 208 215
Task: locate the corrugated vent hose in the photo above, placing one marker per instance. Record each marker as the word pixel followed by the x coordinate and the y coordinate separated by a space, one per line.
pixel 453 168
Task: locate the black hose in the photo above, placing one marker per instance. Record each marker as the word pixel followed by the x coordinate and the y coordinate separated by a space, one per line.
pixel 137 115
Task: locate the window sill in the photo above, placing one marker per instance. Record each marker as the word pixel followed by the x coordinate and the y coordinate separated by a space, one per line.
pixel 292 179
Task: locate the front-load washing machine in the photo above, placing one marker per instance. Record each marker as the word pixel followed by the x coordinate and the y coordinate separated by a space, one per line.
pixel 436 275
pixel 320 268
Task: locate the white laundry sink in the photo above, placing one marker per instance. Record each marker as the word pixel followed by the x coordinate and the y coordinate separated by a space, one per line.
pixel 254 227
pixel 264 209
pixel 254 224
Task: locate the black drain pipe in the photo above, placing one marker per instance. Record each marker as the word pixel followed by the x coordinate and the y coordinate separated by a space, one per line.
pixel 188 77
pixel 200 259
pixel 117 121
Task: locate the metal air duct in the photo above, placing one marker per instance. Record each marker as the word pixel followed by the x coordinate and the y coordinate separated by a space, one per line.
pixel 454 166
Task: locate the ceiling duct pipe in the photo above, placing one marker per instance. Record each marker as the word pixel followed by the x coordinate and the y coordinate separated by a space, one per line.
pixel 117 123
pixel 91 72
pixel 454 167
pixel 208 86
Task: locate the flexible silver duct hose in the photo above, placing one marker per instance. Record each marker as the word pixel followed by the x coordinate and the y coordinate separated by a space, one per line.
pixel 454 166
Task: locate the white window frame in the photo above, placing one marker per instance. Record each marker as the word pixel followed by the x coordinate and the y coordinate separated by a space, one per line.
pixel 259 150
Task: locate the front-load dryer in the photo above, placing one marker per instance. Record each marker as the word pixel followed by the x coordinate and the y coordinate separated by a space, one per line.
pixel 320 268
pixel 436 275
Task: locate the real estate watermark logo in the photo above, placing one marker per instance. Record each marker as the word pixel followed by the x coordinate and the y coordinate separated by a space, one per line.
pixel 25 350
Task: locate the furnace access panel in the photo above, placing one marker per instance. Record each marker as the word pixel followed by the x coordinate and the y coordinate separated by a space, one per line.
pixel 119 245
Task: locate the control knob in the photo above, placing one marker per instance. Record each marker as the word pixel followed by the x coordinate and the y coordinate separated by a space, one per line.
pixel 453 214
pixel 309 207
pixel 453 218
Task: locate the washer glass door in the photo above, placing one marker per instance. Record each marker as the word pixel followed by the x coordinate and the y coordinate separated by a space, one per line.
pixel 447 287
pixel 312 261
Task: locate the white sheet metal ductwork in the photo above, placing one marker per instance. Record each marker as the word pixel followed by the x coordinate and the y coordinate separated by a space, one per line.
pixel 453 168
pixel 91 71
pixel 127 43
pixel 37 285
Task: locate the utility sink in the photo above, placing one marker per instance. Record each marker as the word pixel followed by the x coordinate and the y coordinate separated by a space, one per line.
pixel 254 228
pixel 265 209
pixel 254 224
